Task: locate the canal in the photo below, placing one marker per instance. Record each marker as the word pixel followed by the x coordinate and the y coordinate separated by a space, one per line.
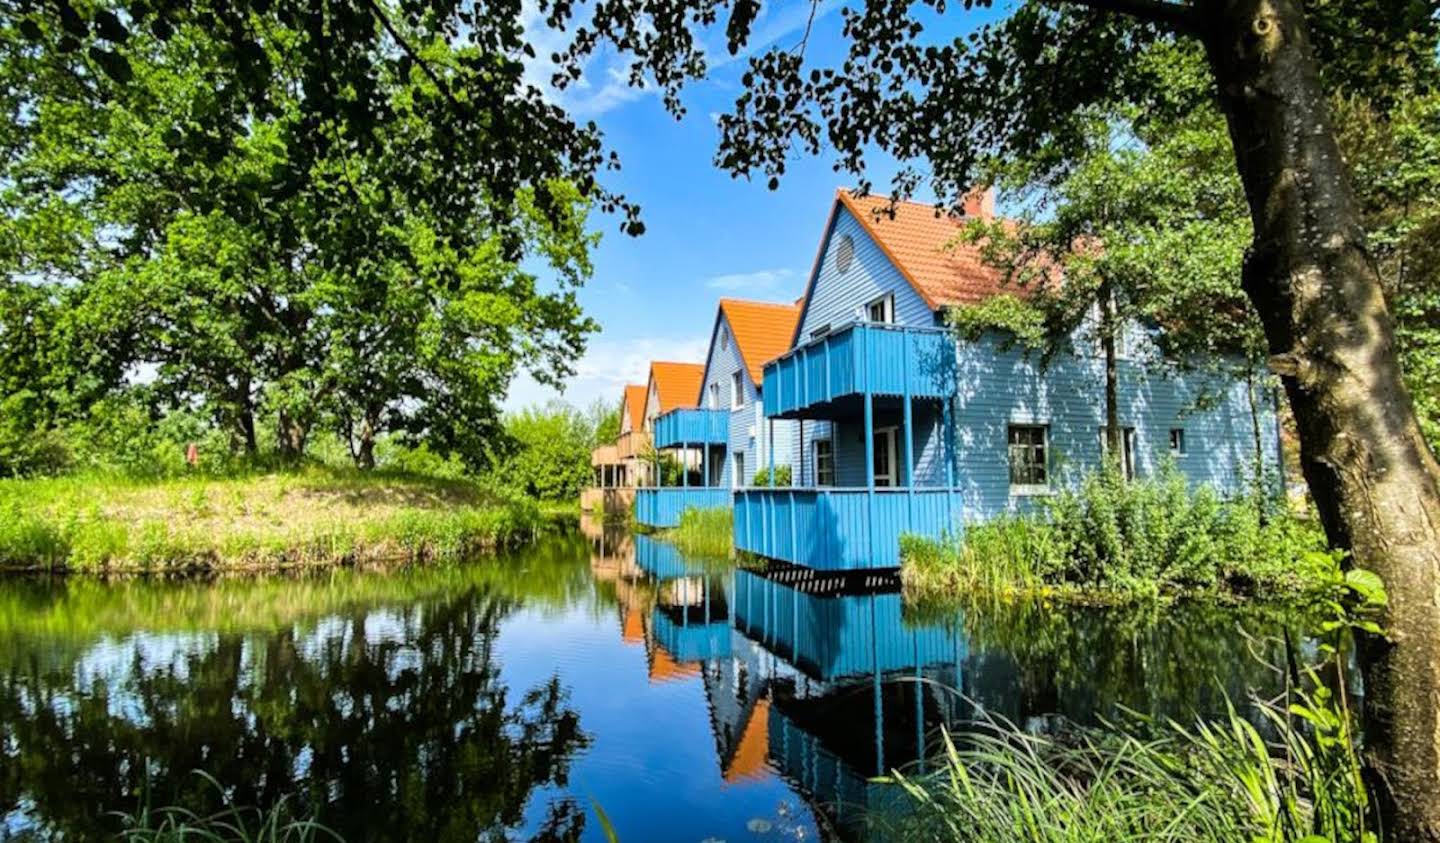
pixel 593 674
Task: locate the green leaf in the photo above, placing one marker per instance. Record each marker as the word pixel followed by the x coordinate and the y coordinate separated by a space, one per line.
pixel 1368 585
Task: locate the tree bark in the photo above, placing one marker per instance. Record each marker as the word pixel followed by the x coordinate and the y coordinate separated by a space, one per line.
pixel 365 453
pixel 1108 329
pixel 1319 295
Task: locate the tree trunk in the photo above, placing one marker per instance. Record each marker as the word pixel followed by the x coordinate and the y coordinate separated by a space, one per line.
pixel 365 453
pixel 1318 293
pixel 293 436
pixel 1115 452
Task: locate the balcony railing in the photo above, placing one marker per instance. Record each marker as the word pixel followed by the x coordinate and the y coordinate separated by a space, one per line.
pixel 632 443
pixel 840 529
pixel 661 507
pixel 860 359
pixel 692 427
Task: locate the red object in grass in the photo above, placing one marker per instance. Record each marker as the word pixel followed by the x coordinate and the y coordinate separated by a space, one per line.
pixel 192 455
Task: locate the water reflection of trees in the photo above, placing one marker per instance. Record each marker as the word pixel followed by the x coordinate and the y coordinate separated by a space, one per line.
pixel 387 724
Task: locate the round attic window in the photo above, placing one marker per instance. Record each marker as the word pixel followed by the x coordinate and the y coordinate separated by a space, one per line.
pixel 844 254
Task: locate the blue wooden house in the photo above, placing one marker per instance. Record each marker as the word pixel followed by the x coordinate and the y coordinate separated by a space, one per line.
pixel 692 435
pixel 902 428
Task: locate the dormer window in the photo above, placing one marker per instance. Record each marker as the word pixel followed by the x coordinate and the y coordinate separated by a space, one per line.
pixel 881 310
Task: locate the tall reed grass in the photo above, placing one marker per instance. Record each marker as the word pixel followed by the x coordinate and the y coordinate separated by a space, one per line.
pixel 706 533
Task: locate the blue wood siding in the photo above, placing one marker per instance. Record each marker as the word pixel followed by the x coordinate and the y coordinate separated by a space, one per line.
pixel 1000 387
pixel 747 428
pixel 838 298
pixel 662 507
pixel 692 427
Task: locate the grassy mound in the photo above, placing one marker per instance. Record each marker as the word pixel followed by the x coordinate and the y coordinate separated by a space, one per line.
pixel 312 516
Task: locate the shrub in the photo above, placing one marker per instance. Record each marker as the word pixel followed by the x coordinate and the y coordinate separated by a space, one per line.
pixel 1148 535
pixel 782 476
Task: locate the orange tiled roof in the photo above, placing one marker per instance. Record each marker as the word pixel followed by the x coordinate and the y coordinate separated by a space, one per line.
pixel 919 241
pixel 634 404
pixel 762 331
pixel 754 747
pixel 678 384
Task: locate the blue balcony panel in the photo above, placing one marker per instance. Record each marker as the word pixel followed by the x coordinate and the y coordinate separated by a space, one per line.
pixel 889 360
pixel 840 529
pixel 692 427
pixel 661 507
pixel 689 640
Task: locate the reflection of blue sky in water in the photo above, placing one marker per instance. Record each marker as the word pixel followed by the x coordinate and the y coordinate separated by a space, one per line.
pixel 711 702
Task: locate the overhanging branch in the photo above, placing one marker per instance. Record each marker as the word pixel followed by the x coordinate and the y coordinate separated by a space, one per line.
pixel 1173 16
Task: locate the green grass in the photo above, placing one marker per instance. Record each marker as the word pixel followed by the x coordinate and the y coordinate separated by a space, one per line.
pixel 306 517
pixel 1155 782
pixel 1113 539
pixel 231 824
pixel 706 533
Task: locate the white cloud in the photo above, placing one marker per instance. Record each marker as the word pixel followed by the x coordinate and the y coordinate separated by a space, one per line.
pixel 605 369
pixel 764 280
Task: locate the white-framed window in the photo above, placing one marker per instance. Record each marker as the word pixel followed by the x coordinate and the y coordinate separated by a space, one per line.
pixel 881 309
pixel 1127 459
pixel 737 391
pixel 1177 441
pixel 714 396
pixel 1029 456
pixel 724 339
pixel 740 479
pixel 886 465
pixel 824 462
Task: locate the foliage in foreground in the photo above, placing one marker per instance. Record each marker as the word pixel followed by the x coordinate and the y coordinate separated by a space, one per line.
pixel 1222 780
pixel 313 517
pixel 704 532
pixel 231 824
pixel 1150 535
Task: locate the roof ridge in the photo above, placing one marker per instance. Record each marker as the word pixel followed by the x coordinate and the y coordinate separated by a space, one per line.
pixel 731 299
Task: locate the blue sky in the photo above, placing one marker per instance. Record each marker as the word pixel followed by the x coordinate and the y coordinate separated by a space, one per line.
pixel 707 235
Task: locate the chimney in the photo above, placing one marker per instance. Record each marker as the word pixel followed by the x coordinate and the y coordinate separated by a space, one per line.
pixel 980 204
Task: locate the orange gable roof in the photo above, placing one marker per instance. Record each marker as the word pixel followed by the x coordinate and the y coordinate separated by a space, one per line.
pixel 634 405
pixel 920 242
pixel 762 331
pixel 678 384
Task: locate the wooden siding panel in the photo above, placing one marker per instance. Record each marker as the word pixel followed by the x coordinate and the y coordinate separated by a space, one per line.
pixel 744 427
pixel 836 298
pixel 662 507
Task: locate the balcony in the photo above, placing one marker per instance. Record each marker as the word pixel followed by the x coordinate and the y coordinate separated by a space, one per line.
pixel 692 427
pixel 840 529
pixel 632 443
pixel 661 507
pixel 832 374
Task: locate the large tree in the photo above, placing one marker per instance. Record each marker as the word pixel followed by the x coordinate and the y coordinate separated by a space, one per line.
pixel 267 231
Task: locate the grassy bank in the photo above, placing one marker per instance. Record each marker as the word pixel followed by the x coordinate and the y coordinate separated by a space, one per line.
pixel 1112 539
pixel 309 517
pixel 707 533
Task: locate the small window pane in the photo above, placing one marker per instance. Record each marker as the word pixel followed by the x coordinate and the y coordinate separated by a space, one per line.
pixel 737 393
pixel 1177 441
pixel 1027 455
pixel 824 463
pixel 844 254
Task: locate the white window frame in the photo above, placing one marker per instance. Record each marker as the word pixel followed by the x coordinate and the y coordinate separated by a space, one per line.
pixel 714 396
pixel 737 469
pixel 1028 488
pixel 891 436
pixel 737 392
pixel 1129 443
pixel 824 463
pixel 886 303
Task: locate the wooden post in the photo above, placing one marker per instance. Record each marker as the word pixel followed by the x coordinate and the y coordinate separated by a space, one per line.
pixel 799 478
pixel 770 449
pixel 908 422
pixel 870 477
pixel 705 465
pixel 947 437
pixel 684 465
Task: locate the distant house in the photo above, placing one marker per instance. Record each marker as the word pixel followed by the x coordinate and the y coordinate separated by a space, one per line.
pixel 680 430
pixel 900 427
pixel 744 336
pixel 619 466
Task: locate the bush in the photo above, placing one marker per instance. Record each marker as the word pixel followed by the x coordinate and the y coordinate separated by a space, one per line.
pixel 1146 535
pixel 782 476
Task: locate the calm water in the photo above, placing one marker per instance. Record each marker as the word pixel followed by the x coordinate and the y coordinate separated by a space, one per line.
pixel 505 699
